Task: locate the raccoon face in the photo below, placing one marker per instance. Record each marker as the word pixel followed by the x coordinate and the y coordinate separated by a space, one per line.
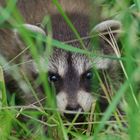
pixel 71 73
pixel 72 76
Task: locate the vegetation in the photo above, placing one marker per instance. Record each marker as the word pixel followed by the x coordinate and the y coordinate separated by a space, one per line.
pixel 98 125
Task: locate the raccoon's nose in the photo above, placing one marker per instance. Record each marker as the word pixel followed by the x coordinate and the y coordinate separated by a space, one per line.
pixel 74 110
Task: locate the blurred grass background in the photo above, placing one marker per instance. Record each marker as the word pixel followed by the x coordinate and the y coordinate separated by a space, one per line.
pixel 98 126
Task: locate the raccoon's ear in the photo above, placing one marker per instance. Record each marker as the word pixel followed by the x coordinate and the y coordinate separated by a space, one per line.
pixel 107 32
pixel 40 45
pixel 107 36
pixel 30 28
pixel 108 25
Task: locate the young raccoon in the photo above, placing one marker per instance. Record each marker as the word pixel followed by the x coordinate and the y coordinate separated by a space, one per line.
pixel 70 72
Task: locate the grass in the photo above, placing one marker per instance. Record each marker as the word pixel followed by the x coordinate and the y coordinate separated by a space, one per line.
pixel 32 121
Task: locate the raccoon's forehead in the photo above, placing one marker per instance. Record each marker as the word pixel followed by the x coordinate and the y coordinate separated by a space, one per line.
pixel 61 61
pixel 81 63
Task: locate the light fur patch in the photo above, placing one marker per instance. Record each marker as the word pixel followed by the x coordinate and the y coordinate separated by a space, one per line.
pixel 61 101
pixel 62 67
pixel 85 100
pixel 102 63
pixel 81 63
pixel 58 65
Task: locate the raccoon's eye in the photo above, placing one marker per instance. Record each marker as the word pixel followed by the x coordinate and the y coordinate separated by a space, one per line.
pixel 89 75
pixel 53 77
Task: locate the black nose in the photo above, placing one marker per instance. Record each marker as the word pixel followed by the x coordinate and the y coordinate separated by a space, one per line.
pixel 73 112
pixel 73 107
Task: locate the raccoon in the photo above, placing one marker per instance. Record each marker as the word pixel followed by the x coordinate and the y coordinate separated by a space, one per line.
pixel 70 72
